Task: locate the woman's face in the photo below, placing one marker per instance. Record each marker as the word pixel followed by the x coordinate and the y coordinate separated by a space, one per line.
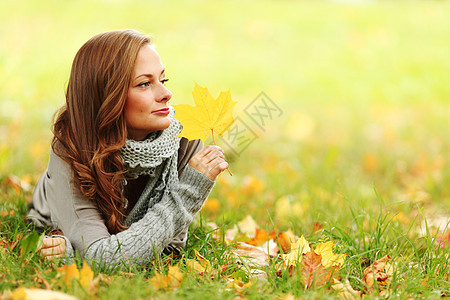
pixel 147 105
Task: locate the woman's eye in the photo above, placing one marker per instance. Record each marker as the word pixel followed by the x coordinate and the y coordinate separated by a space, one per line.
pixel 164 81
pixel 144 84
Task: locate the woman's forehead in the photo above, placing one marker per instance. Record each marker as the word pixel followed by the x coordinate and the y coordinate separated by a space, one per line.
pixel 148 62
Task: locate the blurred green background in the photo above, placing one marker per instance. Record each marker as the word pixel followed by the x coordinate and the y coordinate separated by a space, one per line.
pixel 364 86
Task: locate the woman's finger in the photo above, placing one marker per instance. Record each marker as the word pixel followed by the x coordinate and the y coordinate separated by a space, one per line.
pixel 58 250
pixel 213 155
pixel 207 149
pixel 217 166
pixel 50 242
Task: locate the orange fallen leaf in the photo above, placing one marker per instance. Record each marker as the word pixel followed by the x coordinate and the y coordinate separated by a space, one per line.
pixel 313 272
pixel 376 272
pixel 170 281
pixel 285 239
pixel 261 237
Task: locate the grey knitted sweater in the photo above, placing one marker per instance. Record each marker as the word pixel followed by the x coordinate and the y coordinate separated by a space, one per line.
pixel 154 223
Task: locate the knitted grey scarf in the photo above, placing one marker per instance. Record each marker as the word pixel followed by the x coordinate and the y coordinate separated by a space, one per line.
pixel 156 156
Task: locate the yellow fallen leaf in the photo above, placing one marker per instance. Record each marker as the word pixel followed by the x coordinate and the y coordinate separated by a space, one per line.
pixel 238 285
pixel 86 276
pixel 328 257
pixel 69 273
pixel 345 290
pixel 209 115
pixel 300 247
pixel 37 294
pixel 168 282
pixel 194 266
pixel 200 266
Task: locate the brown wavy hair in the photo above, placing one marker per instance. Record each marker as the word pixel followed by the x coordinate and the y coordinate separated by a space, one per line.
pixel 91 126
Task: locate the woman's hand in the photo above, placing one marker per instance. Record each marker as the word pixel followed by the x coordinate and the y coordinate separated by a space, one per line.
pixel 210 161
pixel 53 247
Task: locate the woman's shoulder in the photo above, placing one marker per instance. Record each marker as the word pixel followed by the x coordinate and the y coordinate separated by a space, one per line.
pixel 56 165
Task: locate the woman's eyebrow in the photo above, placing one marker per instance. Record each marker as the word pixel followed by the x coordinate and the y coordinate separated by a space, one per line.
pixel 150 75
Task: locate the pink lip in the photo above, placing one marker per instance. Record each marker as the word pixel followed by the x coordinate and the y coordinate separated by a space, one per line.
pixel 164 111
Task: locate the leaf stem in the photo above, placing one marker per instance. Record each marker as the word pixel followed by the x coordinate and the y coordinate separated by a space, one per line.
pixel 214 141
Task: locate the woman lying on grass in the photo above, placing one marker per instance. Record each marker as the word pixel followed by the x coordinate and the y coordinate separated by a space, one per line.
pixel 120 185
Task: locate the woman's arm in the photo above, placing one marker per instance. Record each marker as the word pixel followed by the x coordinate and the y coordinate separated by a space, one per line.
pixel 157 228
pixel 82 223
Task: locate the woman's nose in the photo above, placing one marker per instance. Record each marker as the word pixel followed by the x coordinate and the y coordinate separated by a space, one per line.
pixel 166 95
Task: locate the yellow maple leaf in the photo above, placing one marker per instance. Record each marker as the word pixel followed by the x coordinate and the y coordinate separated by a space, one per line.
pixel 86 276
pixel 168 282
pixel 69 273
pixel 209 115
pixel 200 266
pixel 301 246
pixel 328 257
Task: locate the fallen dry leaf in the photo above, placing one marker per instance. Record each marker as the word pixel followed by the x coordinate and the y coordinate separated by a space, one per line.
pixel 301 246
pixel 36 294
pixel 168 282
pixel 238 285
pixel 86 276
pixel 8 245
pixel 345 290
pixel 376 271
pixel 261 237
pixel 285 239
pixel 252 255
pixel 17 184
pixel 328 257
pixel 313 272
pixel 200 266
pixel 70 273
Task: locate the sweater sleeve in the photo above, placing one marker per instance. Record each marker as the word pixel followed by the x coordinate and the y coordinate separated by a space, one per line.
pixel 83 225
pixel 156 229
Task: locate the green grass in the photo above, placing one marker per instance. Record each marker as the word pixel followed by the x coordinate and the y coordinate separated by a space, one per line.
pixel 361 146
